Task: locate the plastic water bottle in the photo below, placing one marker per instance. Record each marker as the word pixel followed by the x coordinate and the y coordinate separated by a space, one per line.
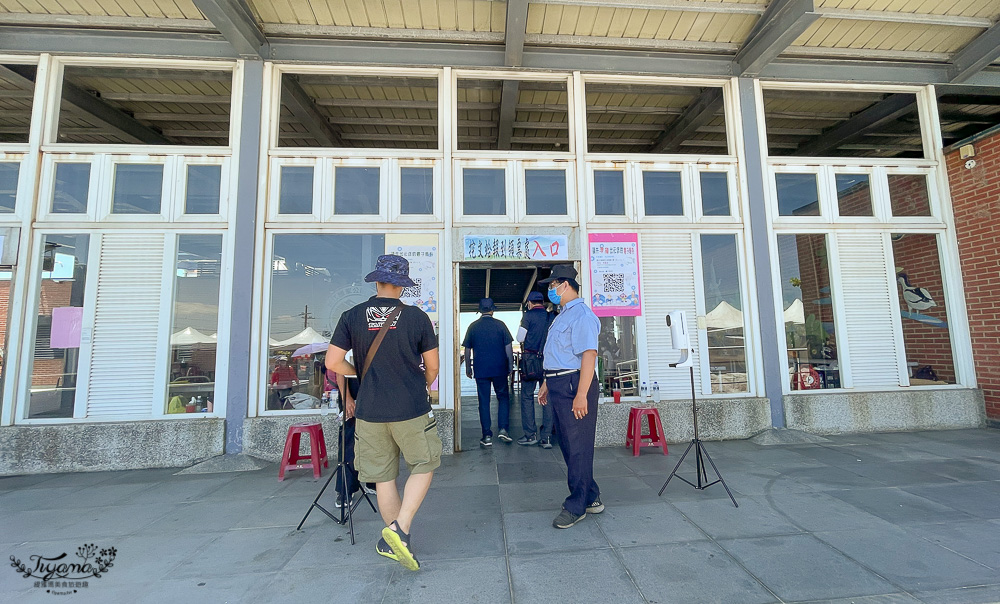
pixel 656 392
pixel 643 392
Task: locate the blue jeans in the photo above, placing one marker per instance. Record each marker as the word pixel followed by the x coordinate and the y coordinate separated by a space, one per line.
pixel 528 411
pixel 576 439
pixel 502 389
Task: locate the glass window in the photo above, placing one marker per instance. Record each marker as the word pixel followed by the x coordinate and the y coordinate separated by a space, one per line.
pixel 715 194
pixel 194 336
pixel 69 196
pixel 545 192
pixel 314 279
pixel 138 189
pixel 8 185
pixel 810 334
pixel 617 356
pixel 295 193
pixel 484 192
pixel 798 194
pixel 58 328
pixel 662 193
pixel 356 191
pixel 6 279
pixel 926 336
pixel 416 190
pixel 204 188
pixel 609 192
pixel 854 195
pixel 908 195
pixel 724 320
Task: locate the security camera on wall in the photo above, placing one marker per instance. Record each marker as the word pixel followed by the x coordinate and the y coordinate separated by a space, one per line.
pixel 679 338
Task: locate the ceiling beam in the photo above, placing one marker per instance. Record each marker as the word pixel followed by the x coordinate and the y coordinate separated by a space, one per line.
pixel 136 73
pixel 182 117
pixel 513 56
pixel 975 56
pixel 95 109
pixel 236 22
pixel 780 25
pixel 698 114
pixel 884 112
pixel 143 97
pixel 297 101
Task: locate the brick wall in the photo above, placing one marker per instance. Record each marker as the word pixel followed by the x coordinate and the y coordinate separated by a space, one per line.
pixel 976 200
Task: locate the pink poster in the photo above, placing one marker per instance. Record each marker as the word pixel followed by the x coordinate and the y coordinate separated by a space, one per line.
pixel 66 326
pixel 615 286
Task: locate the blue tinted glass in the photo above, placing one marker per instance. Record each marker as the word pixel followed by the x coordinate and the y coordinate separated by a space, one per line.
pixel 484 192
pixel 545 192
pixel 797 194
pixel 416 190
pixel 138 188
pixel 609 192
pixel 295 193
pixel 662 193
pixel 69 195
pixel 356 191
pixel 204 187
pixel 8 185
pixel 715 194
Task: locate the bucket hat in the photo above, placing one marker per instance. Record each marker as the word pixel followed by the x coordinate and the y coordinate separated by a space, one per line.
pixel 391 269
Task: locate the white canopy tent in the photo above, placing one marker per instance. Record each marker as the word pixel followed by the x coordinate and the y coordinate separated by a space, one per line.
pixel 189 336
pixel 795 313
pixel 724 316
pixel 306 336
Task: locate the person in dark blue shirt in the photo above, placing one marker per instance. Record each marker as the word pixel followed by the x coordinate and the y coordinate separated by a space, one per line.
pixel 489 357
pixel 531 334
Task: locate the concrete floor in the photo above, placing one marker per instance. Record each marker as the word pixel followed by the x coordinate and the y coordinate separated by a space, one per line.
pixel 888 518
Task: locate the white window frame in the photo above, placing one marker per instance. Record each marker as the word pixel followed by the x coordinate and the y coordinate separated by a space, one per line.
pixel 687 198
pixel 934 201
pixel 23 191
pixel 48 185
pixel 823 187
pixel 628 181
pixel 735 207
pixel 328 211
pixel 875 177
pixel 396 214
pixel 109 166
pixel 319 189
pixel 226 189
pixel 521 199
pixel 510 192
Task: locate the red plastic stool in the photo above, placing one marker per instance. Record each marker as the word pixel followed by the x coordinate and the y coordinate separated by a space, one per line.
pixel 634 437
pixel 317 449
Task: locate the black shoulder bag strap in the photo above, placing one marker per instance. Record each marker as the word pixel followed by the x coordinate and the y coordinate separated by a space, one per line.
pixel 378 340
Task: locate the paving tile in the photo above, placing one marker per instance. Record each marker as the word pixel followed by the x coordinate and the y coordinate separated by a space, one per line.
pixel 898 506
pixel 802 510
pixel 625 490
pixel 447 582
pixel 833 456
pixel 442 536
pixel 781 562
pixel 15 483
pixel 977 539
pixel 900 473
pixel 188 490
pixel 831 478
pixel 646 524
pixel 980 499
pixel 534 497
pixel 698 571
pixel 231 587
pixel 678 490
pixel 203 517
pixel 964 469
pixel 908 561
pixel 533 533
pixel 147 558
pixel 242 551
pixel 985 594
pixel 473 499
pixel 721 520
pixel 329 544
pixel 39 498
pixel 527 471
pixel 579 576
pixel 893 598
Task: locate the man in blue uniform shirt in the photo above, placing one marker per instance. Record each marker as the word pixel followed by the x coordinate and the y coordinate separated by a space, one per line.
pixel 531 334
pixel 570 386
pixel 489 357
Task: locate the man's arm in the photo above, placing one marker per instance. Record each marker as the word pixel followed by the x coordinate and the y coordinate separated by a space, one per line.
pixel 468 362
pixel 345 394
pixel 587 365
pixel 337 363
pixel 432 365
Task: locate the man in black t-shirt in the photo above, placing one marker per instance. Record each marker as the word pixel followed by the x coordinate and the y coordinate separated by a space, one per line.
pixel 489 358
pixel 531 334
pixel 393 412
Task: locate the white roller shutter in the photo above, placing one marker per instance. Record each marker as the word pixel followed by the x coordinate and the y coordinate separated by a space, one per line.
pixel 868 302
pixel 668 283
pixel 124 357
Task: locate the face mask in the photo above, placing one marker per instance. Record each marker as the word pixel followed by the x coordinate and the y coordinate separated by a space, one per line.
pixel 554 297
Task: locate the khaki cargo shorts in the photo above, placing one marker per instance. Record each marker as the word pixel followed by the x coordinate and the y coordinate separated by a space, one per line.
pixel 378 445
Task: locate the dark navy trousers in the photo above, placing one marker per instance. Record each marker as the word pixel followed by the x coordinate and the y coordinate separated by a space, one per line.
pixel 576 439
pixel 502 388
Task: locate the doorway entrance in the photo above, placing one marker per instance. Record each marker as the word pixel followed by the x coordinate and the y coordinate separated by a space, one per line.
pixel 508 285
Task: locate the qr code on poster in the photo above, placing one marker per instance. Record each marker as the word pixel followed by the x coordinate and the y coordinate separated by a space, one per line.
pixel 415 291
pixel 614 283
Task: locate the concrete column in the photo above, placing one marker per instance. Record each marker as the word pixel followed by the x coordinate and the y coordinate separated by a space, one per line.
pixel 756 170
pixel 242 233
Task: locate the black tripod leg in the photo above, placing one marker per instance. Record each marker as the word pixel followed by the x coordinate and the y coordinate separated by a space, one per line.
pixel 315 502
pixel 721 479
pixel 679 462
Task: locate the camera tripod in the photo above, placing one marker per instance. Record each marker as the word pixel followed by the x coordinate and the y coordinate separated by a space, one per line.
pixel 700 455
pixel 347 509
